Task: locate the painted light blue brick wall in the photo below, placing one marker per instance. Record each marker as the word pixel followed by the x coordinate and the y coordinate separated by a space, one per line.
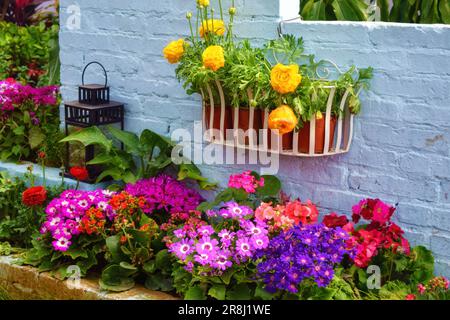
pixel 401 149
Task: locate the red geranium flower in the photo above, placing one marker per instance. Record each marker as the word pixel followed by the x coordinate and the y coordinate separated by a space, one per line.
pixel 333 220
pixel 79 173
pixel 34 196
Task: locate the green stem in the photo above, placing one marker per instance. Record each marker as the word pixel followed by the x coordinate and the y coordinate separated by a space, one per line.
pixel 221 10
pixel 192 31
pixel 78 184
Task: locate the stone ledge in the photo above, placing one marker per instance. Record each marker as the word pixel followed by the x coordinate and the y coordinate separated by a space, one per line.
pixel 26 283
pixel 52 176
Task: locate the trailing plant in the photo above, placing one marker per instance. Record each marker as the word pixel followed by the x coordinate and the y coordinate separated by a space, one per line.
pixel 28 12
pixel 29 54
pixel 152 151
pixel 28 116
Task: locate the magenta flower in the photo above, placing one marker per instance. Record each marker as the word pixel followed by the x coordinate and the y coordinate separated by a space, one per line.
pixel 245 181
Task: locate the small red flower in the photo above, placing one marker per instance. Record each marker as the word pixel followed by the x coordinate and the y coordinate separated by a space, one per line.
pixel 42 155
pixel 79 173
pixel 34 196
pixel 410 297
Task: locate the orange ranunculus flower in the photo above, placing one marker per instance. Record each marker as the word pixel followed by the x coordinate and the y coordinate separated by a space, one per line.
pixel 174 51
pixel 204 3
pixel 282 119
pixel 34 196
pixel 285 79
pixel 213 58
pixel 212 25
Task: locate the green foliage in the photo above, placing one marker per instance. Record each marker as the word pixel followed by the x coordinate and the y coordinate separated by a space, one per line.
pixel 17 221
pixel 351 10
pixel 152 151
pixel 85 252
pixel 129 253
pixel 408 11
pixel 28 52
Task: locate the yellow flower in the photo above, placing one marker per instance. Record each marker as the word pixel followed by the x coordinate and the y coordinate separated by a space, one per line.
pixel 212 25
pixel 282 119
pixel 213 58
pixel 204 3
pixel 174 51
pixel 285 79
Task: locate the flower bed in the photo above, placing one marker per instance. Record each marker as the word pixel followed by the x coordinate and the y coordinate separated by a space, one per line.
pixel 251 242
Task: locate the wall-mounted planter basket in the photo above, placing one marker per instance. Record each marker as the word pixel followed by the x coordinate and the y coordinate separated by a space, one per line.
pixel 327 136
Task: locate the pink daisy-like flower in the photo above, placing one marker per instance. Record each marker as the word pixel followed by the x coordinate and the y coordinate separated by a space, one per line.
pixel 206 244
pixel 244 247
pixel 222 261
pixel 62 244
pixel 206 230
pixel 260 242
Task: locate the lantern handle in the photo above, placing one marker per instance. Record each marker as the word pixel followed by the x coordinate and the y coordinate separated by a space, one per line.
pixel 104 71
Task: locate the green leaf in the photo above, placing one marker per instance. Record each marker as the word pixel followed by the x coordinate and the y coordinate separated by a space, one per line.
pixel 35 137
pixel 158 282
pixel 444 10
pixel 239 292
pixel 128 266
pixel 162 259
pixel 120 285
pixel 113 245
pixel 195 293
pixel 271 188
pixel 350 10
pixel 217 291
pixel 130 140
pixel 19 131
pixel 75 253
pixel 261 293
pixel 150 266
pixel 90 136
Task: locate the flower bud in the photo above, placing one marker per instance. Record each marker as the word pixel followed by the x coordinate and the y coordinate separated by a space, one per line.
pixel 188 15
pixel 232 11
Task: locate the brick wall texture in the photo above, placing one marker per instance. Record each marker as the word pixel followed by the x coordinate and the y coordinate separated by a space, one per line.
pixel 401 148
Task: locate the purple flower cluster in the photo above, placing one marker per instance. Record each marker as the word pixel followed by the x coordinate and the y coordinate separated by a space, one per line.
pixel 165 193
pixel 235 242
pixel 299 253
pixel 65 213
pixel 13 94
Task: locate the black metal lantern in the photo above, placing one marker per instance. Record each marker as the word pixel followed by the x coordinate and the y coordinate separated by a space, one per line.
pixel 93 108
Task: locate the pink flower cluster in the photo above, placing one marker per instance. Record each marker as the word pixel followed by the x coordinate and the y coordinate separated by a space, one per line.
pixel 246 181
pixel 287 216
pixel 165 193
pixel 64 214
pixel 14 94
pixel 235 241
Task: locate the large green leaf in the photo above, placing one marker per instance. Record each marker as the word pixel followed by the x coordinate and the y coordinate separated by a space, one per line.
pixel 35 137
pixel 240 292
pixel 130 140
pixel 350 10
pixel 314 10
pixel 195 293
pixel 444 10
pixel 384 9
pixel 218 291
pixel 90 136
pixel 113 245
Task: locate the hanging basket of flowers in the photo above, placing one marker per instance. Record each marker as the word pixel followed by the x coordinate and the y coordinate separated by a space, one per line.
pixel 275 98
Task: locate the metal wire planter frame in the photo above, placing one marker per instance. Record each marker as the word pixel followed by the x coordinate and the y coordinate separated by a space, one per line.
pixel 342 138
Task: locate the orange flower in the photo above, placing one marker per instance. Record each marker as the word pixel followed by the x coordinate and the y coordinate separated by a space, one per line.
pixel 174 51
pixel 212 25
pixel 213 58
pixel 282 119
pixel 285 79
